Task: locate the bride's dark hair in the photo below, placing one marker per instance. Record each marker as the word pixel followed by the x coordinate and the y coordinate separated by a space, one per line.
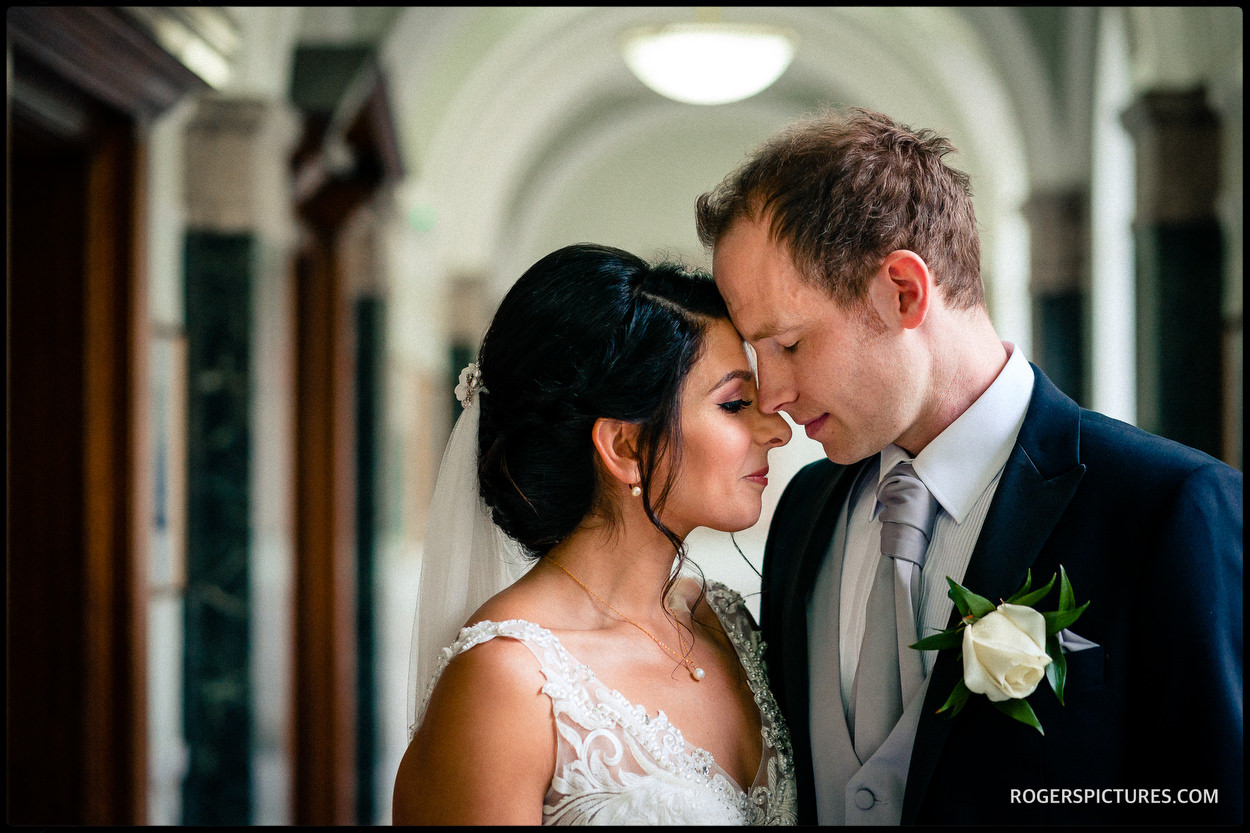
pixel 587 332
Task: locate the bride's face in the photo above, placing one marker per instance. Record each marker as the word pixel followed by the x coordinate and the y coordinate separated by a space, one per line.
pixel 725 440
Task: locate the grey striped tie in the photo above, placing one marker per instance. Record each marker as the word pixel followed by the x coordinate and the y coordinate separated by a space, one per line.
pixel 889 672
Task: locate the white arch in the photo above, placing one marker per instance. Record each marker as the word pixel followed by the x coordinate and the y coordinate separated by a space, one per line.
pixel 512 103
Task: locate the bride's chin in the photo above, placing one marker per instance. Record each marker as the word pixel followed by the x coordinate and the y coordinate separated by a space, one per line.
pixel 744 523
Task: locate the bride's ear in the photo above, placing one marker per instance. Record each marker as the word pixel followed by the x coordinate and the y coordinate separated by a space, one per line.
pixel 616 441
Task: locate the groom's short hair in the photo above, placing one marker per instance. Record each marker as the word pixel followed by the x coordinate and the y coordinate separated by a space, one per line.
pixel 845 188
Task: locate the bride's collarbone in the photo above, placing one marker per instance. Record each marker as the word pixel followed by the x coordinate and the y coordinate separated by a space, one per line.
pixel 718 713
pixel 625 652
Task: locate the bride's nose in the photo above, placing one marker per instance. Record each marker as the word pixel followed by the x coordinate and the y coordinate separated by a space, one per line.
pixel 772 430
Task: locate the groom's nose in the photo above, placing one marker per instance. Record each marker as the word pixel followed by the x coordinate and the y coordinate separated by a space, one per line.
pixel 776 385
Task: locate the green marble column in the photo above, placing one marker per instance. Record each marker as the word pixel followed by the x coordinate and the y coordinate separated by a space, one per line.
pixel 1180 268
pixel 236 274
pixel 217 687
pixel 1059 286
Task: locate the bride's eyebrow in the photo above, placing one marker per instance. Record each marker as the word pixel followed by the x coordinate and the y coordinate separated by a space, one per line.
pixel 730 376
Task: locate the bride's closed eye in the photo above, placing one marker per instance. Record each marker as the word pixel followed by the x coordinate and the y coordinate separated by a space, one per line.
pixel 736 405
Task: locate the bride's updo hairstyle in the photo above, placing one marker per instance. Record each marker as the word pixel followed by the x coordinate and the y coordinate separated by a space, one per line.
pixel 587 332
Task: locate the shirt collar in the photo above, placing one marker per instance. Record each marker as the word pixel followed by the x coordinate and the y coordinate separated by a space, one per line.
pixel 960 462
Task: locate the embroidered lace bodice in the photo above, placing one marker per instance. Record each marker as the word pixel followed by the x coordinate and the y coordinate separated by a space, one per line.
pixel 616 764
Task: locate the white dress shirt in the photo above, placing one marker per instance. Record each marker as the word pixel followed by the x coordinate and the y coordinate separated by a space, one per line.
pixel 961 467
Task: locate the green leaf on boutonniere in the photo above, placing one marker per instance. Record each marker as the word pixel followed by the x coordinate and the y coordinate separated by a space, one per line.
pixel 1057 671
pixel 969 603
pixel 1027 599
pixel 1057 620
pixel 1024 588
pixel 957 699
pixel 1067 598
pixel 1019 710
pixel 949 638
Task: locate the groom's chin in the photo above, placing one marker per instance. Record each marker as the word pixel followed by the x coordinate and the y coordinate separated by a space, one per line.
pixel 844 456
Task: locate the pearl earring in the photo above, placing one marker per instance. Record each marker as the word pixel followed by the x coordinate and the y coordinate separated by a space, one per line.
pixel 636 491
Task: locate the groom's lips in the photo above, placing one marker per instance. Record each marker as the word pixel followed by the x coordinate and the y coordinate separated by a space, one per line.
pixel 813 427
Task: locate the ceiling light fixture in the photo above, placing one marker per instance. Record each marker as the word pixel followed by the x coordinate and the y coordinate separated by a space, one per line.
pixel 708 62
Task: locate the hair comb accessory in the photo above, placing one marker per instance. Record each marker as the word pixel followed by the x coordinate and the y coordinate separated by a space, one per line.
pixel 470 385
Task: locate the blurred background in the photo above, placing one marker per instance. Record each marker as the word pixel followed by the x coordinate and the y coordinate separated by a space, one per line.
pixel 249 249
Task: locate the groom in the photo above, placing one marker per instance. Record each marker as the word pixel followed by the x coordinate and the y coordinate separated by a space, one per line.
pixel 847 251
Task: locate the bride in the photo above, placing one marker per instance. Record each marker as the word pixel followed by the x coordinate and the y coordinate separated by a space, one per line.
pixel 611 412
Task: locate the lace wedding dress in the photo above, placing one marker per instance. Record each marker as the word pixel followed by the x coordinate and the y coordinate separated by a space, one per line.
pixel 615 764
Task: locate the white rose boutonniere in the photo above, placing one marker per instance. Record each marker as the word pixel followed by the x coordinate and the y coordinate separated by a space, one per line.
pixel 1005 653
pixel 1007 649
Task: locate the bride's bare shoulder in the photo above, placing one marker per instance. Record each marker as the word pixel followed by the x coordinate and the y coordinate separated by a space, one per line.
pixel 532 599
pixel 488 705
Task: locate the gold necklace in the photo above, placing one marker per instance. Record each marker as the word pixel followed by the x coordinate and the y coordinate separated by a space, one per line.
pixel 696 673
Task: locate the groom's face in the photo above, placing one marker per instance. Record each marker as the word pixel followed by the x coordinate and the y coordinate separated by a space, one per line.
pixel 837 372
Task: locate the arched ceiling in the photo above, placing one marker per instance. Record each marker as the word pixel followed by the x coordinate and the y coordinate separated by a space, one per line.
pixel 525 130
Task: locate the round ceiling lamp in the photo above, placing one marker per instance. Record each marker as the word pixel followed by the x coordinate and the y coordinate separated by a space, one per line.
pixel 708 63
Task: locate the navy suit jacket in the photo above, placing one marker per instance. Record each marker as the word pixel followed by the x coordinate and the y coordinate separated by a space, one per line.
pixel 1150 532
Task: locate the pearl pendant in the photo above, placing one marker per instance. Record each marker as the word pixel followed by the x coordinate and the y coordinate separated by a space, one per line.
pixel 698 674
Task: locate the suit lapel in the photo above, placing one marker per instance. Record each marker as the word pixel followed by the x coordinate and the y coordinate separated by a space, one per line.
pixel 799 581
pixel 798 588
pixel 1038 482
pixel 817 544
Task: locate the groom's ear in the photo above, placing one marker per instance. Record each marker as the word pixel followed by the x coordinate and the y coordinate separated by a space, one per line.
pixel 903 289
pixel 616 441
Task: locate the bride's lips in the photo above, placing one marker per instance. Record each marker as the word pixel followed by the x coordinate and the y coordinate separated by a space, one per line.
pixel 760 477
pixel 813 427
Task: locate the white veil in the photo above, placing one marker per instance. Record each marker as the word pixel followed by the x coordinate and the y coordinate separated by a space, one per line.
pixel 466 558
